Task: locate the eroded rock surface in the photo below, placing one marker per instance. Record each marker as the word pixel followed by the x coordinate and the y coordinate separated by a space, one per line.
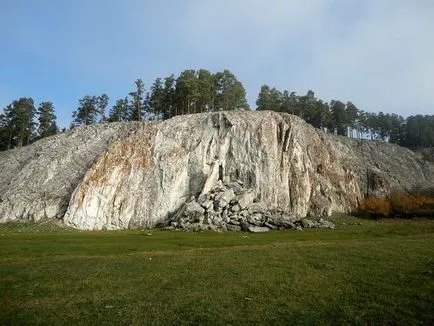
pixel 140 175
pixel 37 180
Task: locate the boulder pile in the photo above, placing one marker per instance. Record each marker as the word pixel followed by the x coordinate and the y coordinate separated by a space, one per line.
pixel 231 207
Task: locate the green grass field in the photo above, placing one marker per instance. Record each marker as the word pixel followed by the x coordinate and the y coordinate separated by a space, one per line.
pixel 376 273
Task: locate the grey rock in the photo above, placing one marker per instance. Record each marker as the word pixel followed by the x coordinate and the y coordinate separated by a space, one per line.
pixel 212 178
pixel 282 222
pixel 245 199
pixel 194 211
pixel 255 219
pixel 212 227
pixel 243 213
pixel 231 227
pixel 236 187
pixel 130 175
pixel 224 198
pixel 220 187
pixel 235 208
pixel 258 207
pixel 257 229
pixel 284 217
pixel 245 226
pixel 306 223
pixel 326 224
pixel 270 225
pixel 208 205
pixel 37 181
pixel 202 199
pixel 217 219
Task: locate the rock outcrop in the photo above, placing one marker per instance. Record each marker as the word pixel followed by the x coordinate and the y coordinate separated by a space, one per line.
pixel 231 207
pixel 37 180
pixel 132 175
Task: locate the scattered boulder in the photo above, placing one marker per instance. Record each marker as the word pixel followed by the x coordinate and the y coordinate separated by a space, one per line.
pixel 326 224
pixel 231 227
pixel 246 199
pixel 306 223
pixel 195 211
pixel 258 229
pixel 223 199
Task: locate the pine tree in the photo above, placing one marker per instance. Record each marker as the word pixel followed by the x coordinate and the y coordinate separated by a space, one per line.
pixel 338 117
pixel 137 109
pixel 156 100
pixel 47 120
pixel 187 92
pixel 169 92
pixel 119 112
pixel 205 85
pixel 264 99
pixel 87 111
pixel 229 92
pixel 4 131
pixel 102 102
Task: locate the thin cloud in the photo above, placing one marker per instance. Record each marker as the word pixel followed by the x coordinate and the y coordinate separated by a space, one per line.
pixel 377 54
pixel 385 64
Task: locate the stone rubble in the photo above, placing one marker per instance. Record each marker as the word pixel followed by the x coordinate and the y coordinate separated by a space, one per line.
pixel 231 207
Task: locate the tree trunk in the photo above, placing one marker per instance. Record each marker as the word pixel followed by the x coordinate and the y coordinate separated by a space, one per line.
pixel 10 140
pixel 138 112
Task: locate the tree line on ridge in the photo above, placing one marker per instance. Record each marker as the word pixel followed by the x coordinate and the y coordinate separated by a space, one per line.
pixel 22 123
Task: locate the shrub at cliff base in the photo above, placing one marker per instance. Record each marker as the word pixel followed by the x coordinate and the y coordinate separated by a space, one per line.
pixel 398 205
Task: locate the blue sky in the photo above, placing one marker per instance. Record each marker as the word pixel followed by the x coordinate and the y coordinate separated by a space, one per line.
pixel 377 53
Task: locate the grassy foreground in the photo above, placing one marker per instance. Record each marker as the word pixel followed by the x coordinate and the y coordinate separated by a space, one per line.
pixel 379 272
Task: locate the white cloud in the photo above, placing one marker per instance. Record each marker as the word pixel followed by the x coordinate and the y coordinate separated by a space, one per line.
pixel 259 27
pixel 386 63
pixel 377 54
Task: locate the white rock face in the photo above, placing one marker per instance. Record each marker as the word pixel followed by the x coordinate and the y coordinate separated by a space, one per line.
pixel 36 181
pixel 143 179
pixel 131 175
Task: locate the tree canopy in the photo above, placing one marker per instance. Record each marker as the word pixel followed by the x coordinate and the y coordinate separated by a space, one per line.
pixel 89 109
pixel 346 119
pixel 196 91
pixel 17 123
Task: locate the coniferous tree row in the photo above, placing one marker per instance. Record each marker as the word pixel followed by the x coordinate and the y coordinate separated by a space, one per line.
pixel 347 120
pixel 191 92
pixel 196 91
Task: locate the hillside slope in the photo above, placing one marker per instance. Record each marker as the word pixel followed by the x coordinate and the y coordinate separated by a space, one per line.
pixel 131 175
